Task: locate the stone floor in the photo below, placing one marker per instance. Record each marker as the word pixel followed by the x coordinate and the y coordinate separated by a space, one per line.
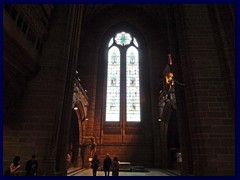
pixel 152 172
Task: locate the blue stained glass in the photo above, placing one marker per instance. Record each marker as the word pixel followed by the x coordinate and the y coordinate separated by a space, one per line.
pixel 132 58
pixel 123 39
pixel 114 58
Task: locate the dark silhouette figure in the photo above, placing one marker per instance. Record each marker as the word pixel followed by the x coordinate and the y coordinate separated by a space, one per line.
pixel 31 166
pixel 115 167
pixel 107 164
pixel 94 165
pixel 14 167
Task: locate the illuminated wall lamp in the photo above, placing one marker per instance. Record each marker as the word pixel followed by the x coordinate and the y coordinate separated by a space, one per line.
pixel 75 108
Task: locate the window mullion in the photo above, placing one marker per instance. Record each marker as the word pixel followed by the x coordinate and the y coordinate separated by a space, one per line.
pixel 123 90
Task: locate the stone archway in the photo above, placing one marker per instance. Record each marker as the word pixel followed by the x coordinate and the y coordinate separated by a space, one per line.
pixel 79 114
pixel 73 145
pixel 76 136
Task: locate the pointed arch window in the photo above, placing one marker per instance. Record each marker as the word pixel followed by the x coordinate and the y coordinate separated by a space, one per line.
pixel 113 85
pixel 123 83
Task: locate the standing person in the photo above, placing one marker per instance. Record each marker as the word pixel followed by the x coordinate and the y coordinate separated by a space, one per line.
pixel 107 164
pixel 31 166
pixel 115 167
pixel 14 167
pixel 95 164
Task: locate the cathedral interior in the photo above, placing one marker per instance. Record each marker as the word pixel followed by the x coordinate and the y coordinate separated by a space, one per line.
pixel 140 82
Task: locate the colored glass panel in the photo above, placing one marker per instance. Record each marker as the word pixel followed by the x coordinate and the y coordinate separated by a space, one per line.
pixel 132 85
pixel 123 39
pixel 110 42
pixel 135 42
pixel 113 85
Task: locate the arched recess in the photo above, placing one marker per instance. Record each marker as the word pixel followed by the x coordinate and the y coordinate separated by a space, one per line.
pixel 170 136
pixel 76 134
pixel 79 115
pixel 73 144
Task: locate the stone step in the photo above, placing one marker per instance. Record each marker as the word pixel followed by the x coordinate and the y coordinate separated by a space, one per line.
pixel 138 167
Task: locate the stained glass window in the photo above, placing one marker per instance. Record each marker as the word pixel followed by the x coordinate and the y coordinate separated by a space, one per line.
pixel 110 43
pixel 135 42
pixel 129 96
pixel 132 85
pixel 113 85
pixel 123 38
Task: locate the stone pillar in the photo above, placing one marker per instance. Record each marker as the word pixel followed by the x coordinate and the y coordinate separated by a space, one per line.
pixel 64 38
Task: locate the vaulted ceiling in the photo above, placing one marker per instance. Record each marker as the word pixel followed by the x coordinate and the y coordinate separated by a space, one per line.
pixel 155 11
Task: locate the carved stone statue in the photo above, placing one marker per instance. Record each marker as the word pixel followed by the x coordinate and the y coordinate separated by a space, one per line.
pixel 93 147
